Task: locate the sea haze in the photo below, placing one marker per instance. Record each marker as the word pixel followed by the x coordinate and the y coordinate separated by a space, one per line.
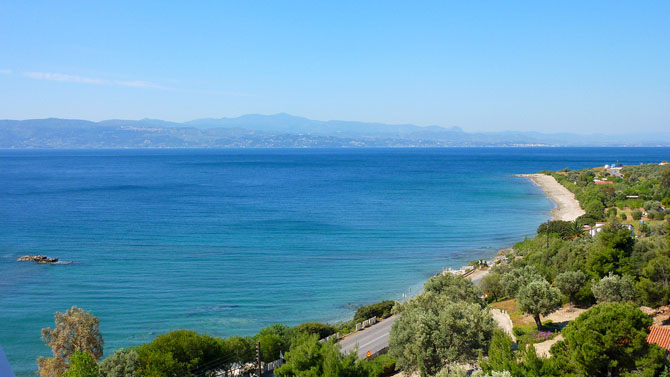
pixel 229 241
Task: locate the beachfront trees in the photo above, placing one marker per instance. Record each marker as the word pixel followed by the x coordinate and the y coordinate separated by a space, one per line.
pixel 441 332
pixel 75 330
pixel 570 282
pixel 610 340
pixel 122 363
pixel 538 298
pixel 565 229
pixel 614 288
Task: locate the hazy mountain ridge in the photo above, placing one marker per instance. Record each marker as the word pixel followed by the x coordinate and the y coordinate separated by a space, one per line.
pixel 281 131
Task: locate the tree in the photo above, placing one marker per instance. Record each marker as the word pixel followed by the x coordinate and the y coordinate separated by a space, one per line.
pixel 82 364
pixel 310 358
pixel 613 288
pixel 75 330
pixel 603 260
pixel 501 353
pixel 122 363
pixel 242 350
pixel 665 180
pixel 654 286
pixel 538 298
pixel 274 339
pixel 455 287
pixel 570 282
pixel 517 278
pixel 610 339
pixel 181 352
pixel 491 283
pixel 426 338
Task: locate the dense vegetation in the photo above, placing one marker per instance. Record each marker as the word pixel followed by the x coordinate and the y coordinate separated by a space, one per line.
pixel 643 190
pixel 77 346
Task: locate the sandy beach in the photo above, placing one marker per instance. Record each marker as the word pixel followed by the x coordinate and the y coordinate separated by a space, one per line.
pixel 567 207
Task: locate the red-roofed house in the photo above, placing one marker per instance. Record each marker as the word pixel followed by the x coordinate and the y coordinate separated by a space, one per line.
pixel 599 182
pixel 659 336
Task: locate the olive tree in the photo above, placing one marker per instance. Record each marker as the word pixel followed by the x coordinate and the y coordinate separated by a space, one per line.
pixel 75 330
pixel 538 298
pixel 426 338
pixel 614 288
pixel 570 282
pixel 516 278
pixel 122 363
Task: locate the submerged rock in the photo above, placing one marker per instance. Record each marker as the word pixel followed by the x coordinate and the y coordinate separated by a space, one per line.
pixel 41 259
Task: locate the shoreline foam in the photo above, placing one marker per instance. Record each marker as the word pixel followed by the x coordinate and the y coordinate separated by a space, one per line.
pixel 567 207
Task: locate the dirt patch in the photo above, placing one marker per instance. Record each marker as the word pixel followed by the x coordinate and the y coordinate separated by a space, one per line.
pixel 542 349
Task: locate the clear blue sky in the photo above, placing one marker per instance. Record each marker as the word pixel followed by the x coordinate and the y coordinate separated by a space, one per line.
pixel 583 66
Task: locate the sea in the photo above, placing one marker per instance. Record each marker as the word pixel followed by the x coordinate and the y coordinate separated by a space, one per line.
pixel 228 241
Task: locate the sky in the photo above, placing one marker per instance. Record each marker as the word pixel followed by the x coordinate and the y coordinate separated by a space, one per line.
pixel 548 66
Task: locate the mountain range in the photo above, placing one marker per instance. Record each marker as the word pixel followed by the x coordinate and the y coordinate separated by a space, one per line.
pixel 282 131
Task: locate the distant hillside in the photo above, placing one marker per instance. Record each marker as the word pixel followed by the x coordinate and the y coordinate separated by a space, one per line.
pixel 279 131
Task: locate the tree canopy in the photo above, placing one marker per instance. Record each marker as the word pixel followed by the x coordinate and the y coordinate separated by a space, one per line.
pixel 75 330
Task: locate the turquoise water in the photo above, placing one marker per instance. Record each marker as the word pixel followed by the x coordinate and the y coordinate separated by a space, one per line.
pixel 228 241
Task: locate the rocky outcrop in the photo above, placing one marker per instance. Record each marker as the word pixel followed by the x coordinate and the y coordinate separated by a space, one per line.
pixel 41 259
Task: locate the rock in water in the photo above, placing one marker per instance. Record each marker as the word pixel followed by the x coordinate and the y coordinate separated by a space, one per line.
pixel 41 259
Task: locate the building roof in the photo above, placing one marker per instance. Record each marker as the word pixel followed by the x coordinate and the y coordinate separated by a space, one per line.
pixel 597 182
pixel 659 336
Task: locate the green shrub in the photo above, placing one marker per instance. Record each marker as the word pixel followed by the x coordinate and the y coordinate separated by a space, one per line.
pixel 310 328
pixel 380 310
pixel 381 366
pixel 637 214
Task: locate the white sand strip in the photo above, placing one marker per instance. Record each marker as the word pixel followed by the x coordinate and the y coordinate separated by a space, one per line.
pixel 567 207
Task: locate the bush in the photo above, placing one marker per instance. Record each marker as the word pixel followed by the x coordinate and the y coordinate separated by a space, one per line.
pixel 381 366
pixel 614 288
pixel 380 310
pixel 637 214
pixel 322 330
pixel 611 212
pixel 623 216
pixel 122 363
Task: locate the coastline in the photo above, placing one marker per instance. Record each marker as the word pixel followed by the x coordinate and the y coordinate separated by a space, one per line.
pixel 567 207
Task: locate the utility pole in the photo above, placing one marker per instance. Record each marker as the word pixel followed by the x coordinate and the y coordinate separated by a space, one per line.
pixel 258 358
pixel 548 222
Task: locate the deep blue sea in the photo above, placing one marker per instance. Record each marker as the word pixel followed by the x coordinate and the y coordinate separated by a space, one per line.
pixel 229 241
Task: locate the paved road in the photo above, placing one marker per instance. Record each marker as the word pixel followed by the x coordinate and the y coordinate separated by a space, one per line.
pixel 373 339
pixel 376 338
